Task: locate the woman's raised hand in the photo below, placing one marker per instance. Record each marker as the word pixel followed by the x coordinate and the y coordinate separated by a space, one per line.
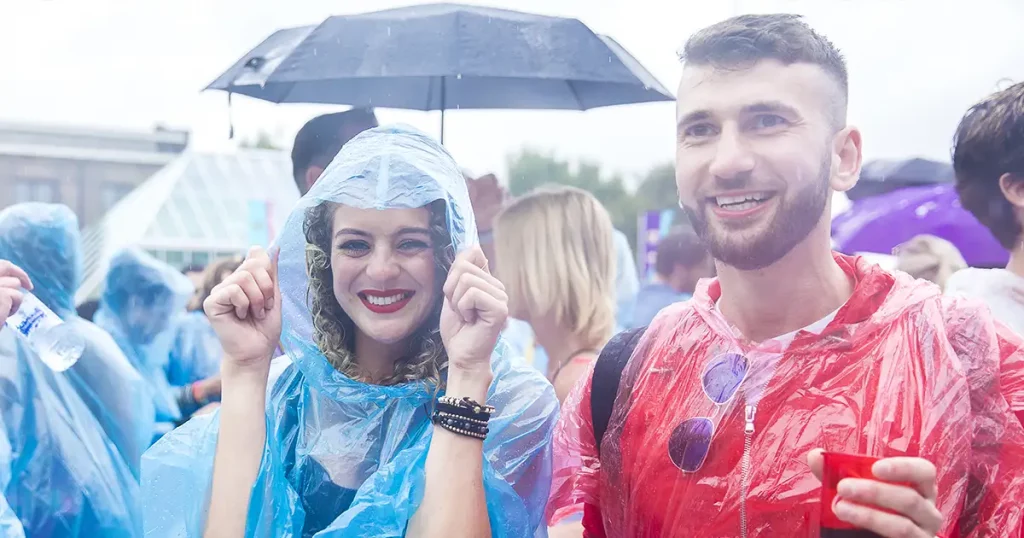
pixel 245 311
pixel 474 313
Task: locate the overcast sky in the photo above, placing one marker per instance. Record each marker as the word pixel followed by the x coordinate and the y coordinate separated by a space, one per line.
pixel 915 66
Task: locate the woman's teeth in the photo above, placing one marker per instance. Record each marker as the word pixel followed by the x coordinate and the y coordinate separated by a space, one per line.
pixel 384 301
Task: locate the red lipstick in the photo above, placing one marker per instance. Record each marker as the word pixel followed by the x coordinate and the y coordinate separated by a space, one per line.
pixel 385 301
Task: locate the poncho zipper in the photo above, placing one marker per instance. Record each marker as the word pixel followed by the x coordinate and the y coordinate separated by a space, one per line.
pixel 748 436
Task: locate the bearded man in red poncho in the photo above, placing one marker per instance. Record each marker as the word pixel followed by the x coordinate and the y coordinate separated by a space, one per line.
pixel 720 409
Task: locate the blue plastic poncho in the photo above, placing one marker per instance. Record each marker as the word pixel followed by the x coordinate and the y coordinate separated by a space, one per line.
pixel 43 239
pixel 345 458
pixel 64 477
pixel 142 299
pixel 627 283
pixel 10 525
pixel 195 352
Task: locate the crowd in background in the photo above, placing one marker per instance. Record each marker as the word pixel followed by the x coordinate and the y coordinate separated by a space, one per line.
pixel 345 444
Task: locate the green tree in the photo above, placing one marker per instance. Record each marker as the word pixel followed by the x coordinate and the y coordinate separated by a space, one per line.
pixel 263 140
pixel 657 191
pixel 530 169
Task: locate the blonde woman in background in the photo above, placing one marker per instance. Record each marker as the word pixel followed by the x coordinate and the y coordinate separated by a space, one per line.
pixel 929 258
pixel 555 255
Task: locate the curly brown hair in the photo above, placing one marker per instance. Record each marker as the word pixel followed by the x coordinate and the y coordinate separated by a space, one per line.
pixel 988 144
pixel 333 329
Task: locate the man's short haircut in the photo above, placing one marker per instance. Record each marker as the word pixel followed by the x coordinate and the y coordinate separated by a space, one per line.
pixel 87 310
pixel 988 144
pixel 741 42
pixel 193 268
pixel 322 137
pixel 679 248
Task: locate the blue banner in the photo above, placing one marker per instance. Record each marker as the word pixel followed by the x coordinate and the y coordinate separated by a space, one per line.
pixel 260 233
pixel 652 227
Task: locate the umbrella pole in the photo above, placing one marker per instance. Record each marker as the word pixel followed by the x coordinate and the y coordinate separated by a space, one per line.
pixel 444 105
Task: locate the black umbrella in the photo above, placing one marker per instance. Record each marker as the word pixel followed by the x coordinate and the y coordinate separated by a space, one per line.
pixel 886 175
pixel 443 57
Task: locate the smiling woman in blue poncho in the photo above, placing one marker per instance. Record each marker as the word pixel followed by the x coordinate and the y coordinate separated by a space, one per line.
pixel 383 302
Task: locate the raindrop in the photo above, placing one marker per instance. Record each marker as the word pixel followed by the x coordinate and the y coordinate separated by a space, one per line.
pixel 389 31
pixel 458 76
pixel 314 52
pixel 609 59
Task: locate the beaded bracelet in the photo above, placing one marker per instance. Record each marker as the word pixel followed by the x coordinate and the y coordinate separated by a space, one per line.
pixel 460 425
pixel 462 416
pixel 465 407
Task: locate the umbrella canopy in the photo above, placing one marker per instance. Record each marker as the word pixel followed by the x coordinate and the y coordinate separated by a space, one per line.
pixel 881 223
pixel 886 175
pixel 443 56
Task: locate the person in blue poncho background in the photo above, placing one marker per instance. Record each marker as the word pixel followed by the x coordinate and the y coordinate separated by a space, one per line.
pixel 10 525
pixel 12 280
pixel 382 299
pixel 194 363
pixel 681 260
pixel 141 301
pixel 60 473
pixel 43 239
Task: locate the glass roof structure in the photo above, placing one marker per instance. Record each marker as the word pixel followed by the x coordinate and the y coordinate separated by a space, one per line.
pixel 200 207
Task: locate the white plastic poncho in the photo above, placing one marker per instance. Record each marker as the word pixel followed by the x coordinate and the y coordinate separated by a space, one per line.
pixel 345 458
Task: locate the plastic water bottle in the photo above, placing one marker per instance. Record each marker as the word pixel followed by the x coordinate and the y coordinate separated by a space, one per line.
pixel 56 344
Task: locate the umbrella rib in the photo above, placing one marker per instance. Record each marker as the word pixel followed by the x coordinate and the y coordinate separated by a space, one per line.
pixel 288 93
pixel 430 93
pixel 575 94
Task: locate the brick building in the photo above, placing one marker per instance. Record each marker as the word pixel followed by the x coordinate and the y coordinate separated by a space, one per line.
pixel 87 169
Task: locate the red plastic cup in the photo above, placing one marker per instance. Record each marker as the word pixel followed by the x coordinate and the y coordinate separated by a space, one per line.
pixel 837 467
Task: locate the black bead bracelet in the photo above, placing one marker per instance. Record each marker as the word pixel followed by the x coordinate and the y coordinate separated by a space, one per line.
pixel 465 407
pixel 460 425
pixel 462 416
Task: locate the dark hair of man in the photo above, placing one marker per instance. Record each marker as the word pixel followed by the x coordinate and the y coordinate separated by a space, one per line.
pixel 679 248
pixel 322 137
pixel 989 143
pixel 741 42
pixel 87 310
pixel 193 268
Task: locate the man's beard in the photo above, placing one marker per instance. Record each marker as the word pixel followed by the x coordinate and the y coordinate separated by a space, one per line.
pixel 793 221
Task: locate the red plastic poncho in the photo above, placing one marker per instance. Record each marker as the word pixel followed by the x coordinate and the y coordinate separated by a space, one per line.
pixel 900 371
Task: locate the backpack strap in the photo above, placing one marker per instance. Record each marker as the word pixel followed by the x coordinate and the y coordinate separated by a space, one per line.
pixel 607 373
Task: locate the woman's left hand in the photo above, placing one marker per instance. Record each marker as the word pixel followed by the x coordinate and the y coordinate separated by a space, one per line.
pixel 474 313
